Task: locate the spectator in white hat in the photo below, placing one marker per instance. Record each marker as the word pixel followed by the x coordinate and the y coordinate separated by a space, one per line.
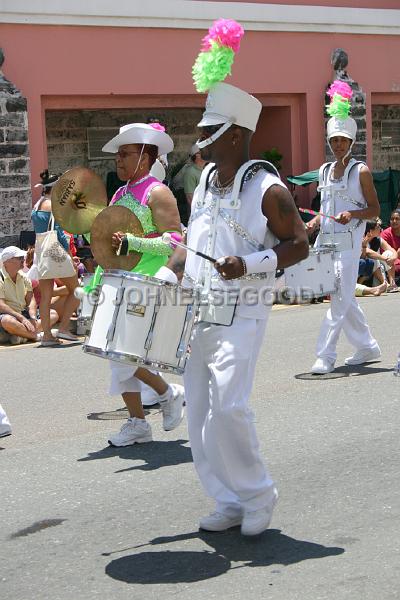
pixel 18 321
pixel 192 173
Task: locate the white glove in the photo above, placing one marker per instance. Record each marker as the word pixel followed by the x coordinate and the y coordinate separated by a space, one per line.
pixel 166 274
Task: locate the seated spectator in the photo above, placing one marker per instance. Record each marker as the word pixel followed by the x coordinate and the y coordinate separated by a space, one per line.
pixel 377 256
pixel 365 290
pixel 18 322
pixel 392 236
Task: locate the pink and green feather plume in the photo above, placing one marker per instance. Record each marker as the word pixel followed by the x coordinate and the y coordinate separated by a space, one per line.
pixel 215 59
pixel 340 94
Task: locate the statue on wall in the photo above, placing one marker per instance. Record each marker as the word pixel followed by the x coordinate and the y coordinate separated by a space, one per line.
pixel 339 62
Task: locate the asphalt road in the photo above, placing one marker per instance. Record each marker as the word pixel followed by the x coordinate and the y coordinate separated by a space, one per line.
pixel 82 521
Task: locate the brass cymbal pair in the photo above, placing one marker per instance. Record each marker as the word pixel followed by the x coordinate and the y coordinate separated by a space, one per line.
pixel 79 205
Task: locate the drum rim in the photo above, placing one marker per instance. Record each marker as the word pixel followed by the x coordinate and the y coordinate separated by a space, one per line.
pixel 147 278
pixel 132 359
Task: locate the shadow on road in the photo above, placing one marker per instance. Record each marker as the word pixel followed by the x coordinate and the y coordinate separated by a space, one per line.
pixel 169 566
pixel 345 371
pixel 154 455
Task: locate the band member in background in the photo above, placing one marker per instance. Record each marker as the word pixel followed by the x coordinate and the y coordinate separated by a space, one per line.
pixel 348 193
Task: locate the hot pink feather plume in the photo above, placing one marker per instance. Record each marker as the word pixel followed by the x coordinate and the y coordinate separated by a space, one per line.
pixel 341 88
pixel 225 32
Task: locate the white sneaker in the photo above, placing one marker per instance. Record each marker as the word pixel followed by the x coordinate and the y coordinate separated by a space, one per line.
pixel 363 356
pixel 134 431
pixel 172 408
pixel 256 521
pixel 5 430
pixel 322 366
pixel 217 521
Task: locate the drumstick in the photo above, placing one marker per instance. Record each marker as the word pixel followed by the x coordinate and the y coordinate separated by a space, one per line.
pixel 167 239
pixel 313 212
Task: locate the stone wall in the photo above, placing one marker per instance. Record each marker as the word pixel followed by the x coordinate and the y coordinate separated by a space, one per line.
pixel 67 140
pixel 384 157
pixel 15 182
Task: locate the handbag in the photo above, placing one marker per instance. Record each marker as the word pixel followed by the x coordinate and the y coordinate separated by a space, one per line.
pixel 53 261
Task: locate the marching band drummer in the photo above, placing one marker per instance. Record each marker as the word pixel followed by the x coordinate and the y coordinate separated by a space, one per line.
pixel 137 147
pixel 224 347
pixel 348 193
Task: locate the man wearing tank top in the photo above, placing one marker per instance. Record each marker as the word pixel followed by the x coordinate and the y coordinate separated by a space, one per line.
pixel 243 215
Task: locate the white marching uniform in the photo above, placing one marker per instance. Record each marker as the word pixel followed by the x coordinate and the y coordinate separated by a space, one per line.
pixel 220 370
pixel 344 312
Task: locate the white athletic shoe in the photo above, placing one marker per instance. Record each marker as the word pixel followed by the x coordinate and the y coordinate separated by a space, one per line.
pixel 256 521
pixel 362 356
pixel 134 431
pixel 173 408
pixel 217 521
pixel 322 366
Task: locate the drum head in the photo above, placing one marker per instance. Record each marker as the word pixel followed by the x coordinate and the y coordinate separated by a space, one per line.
pixel 109 221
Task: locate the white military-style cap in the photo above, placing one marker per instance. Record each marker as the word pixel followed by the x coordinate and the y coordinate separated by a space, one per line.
pixel 228 105
pixel 226 102
pixel 158 170
pixel 341 127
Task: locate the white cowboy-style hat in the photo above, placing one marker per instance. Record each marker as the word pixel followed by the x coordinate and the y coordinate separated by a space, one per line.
pixel 141 133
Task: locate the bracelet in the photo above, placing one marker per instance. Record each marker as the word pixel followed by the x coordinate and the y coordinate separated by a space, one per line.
pixel 244 266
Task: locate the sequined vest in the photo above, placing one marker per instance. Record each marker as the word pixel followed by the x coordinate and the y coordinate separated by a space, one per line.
pixel 135 196
pixel 239 231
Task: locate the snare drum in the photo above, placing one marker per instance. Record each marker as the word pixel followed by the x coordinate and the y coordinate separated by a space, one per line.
pixel 85 309
pixel 142 320
pixel 315 276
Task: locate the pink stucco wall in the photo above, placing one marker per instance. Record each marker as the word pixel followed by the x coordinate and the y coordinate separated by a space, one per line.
pixel 90 67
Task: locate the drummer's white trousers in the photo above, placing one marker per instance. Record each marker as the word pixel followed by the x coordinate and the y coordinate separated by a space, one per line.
pixel 344 312
pixel 218 381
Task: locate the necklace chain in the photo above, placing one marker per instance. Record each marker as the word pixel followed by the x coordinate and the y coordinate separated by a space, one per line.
pixel 219 188
pixel 226 185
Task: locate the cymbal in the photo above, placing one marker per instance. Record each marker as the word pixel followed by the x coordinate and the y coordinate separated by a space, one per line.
pixel 77 198
pixel 109 221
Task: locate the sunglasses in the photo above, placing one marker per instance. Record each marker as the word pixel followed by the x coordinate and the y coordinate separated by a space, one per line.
pixel 123 154
pixel 210 129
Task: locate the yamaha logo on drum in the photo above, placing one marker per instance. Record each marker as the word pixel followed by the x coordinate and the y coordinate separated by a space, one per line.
pixel 138 310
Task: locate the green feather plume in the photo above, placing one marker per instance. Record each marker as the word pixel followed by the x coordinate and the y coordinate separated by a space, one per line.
pixel 212 66
pixel 339 107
